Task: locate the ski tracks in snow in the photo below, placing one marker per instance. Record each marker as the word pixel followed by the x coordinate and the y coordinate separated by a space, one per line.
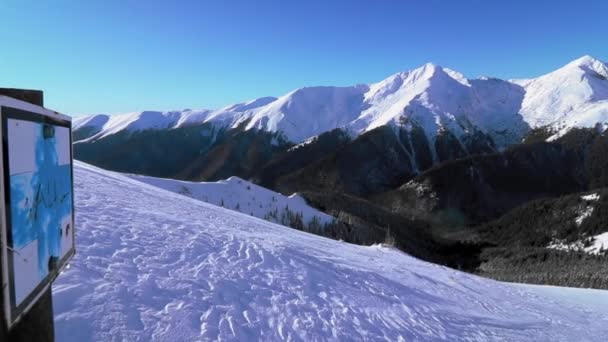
pixel 154 265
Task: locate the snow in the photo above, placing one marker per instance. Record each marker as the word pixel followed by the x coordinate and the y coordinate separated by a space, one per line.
pixel 583 215
pixel 241 107
pixel 591 197
pixel 231 115
pixel 152 265
pixel 569 296
pixel 563 246
pixel 297 116
pixel 307 112
pixel 193 117
pixel 572 96
pixel 303 143
pixel 92 121
pixel 431 96
pixel 587 211
pixel 598 243
pixel 438 98
pixel 242 196
pixel 588 115
pixel 138 121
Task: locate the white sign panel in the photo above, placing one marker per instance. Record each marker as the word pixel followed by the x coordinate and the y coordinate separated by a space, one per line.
pixel 38 199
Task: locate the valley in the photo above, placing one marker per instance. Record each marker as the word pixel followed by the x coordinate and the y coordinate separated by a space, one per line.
pixel 426 159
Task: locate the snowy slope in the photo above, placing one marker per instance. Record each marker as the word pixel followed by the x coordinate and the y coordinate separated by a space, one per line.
pixel 242 196
pixel 567 93
pixel 597 244
pixel 432 97
pixel 93 121
pixel 307 112
pixel 299 115
pixel 137 121
pixel 439 99
pixel 153 265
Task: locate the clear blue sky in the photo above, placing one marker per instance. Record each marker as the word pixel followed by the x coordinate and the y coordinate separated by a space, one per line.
pixel 124 55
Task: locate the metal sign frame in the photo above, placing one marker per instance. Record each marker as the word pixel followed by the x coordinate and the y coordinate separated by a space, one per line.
pixel 22 111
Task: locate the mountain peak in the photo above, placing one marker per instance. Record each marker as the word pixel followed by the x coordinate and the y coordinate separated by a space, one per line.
pixel 431 66
pixel 587 63
pixel 433 89
pixel 585 60
pixel 568 96
pixel 427 71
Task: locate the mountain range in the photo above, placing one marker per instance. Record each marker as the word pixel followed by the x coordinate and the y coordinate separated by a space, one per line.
pixel 427 158
pixel 431 97
pixel 435 114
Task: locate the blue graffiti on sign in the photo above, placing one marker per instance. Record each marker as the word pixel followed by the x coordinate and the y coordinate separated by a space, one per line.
pixel 41 200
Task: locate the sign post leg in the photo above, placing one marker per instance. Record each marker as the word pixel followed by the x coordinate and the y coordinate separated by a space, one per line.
pixel 37 324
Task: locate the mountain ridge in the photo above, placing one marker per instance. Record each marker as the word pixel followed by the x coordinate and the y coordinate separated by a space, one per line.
pixel 432 96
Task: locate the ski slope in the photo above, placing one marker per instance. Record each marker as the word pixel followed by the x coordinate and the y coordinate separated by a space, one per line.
pixel 152 265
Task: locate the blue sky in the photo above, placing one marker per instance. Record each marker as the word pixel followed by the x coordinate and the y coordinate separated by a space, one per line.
pixel 118 56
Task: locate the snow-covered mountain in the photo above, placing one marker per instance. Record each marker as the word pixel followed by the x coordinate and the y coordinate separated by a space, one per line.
pixel 299 115
pixel 360 140
pixel 575 95
pixel 106 125
pixel 152 265
pixel 434 98
pixel 245 197
pixel 438 100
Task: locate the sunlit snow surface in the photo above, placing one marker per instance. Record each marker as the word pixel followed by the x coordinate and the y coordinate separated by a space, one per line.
pixel 243 196
pixel 154 265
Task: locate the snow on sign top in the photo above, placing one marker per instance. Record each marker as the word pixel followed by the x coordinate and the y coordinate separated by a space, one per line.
pixel 37 225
